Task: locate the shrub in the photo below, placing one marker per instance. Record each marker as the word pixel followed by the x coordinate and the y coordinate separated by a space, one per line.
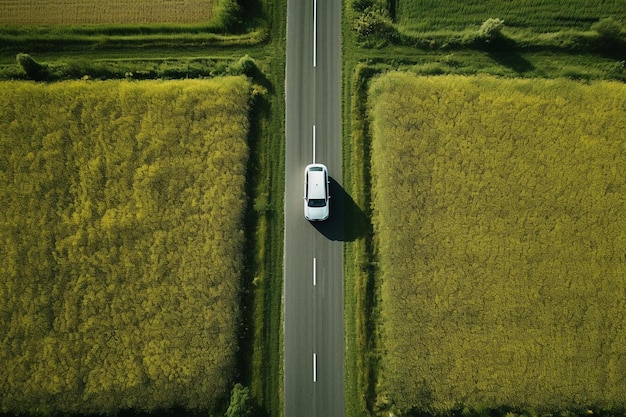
pixel 33 69
pixel 246 65
pixel 362 5
pixel 375 23
pixel 490 29
pixel 609 36
pixel 240 402
pixel 607 28
pixel 229 15
pixel 490 36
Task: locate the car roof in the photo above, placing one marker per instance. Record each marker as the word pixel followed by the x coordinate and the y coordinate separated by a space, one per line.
pixel 317 180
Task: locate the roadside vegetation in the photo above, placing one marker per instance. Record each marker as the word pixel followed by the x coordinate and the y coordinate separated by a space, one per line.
pixel 122 230
pixel 242 38
pixel 570 42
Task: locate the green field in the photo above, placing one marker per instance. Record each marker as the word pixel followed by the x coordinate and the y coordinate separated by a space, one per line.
pixel 507 29
pixel 122 243
pixel 499 213
pixel 535 15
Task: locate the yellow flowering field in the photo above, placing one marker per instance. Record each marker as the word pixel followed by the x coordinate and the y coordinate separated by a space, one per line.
pixel 122 243
pixel 500 224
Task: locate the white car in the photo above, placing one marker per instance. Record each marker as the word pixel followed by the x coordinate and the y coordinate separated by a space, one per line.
pixel 316 192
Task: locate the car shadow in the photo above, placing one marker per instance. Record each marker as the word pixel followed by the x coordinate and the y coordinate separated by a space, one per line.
pixel 347 221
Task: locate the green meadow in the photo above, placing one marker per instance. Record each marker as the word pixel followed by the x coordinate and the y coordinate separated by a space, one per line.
pixel 535 15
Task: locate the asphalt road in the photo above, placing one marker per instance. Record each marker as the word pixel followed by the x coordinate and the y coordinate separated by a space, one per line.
pixel 313 287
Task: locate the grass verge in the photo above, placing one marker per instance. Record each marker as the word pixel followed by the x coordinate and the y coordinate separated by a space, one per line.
pixel 359 287
pixel 265 367
pixel 13 44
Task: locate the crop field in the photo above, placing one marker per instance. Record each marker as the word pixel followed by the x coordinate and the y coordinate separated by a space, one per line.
pixel 499 212
pixel 121 243
pixel 538 16
pixel 81 12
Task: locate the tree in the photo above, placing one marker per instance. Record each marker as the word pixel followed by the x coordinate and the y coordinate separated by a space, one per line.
pixel 490 32
pixel 375 22
pixel 607 28
pixel 609 36
pixel 240 402
pixel 33 69
pixel 245 66
pixel 362 5
pixel 229 13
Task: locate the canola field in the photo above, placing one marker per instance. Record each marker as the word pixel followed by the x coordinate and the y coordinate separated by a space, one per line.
pixel 121 235
pixel 499 213
pixel 84 12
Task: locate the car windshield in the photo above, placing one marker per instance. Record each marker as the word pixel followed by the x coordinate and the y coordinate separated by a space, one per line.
pixel 317 202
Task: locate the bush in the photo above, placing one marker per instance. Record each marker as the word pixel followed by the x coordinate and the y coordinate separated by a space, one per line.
pixel 609 36
pixel 33 69
pixel 375 23
pixel 246 65
pixel 489 36
pixel 362 5
pixel 240 402
pixel 229 12
pixel 490 29
pixel 607 28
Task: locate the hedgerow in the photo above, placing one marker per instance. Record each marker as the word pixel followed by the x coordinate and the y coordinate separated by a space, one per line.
pixel 122 243
pixel 27 68
pixel 499 208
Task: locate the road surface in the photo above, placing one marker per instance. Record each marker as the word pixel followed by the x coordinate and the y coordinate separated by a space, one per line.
pixel 313 286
